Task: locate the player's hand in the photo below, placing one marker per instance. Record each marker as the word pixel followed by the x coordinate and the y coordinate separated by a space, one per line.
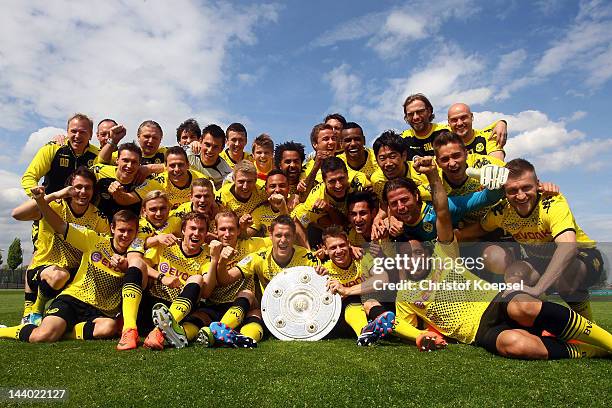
pixel 425 165
pixel 500 133
pixel 210 237
pixel 142 174
pixel 491 177
pixel 226 253
pixel 114 187
pixel 38 193
pixel 336 287
pixel 320 252
pixel 321 205
pixel 66 192
pixel 322 155
pixel 301 187
pixel 118 262
pixel 59 139
pixel 356 252
pixel 375 249
pixel 171 281
pixel 215 248
pixel 548 188
pixel 430 341
pixel 167 239
pixel 396 227
pixel 321 270
pixel 530 290
pixel 277 200
pixel 116 133
pixel 379 229
pixel 245 221
pixel 195 146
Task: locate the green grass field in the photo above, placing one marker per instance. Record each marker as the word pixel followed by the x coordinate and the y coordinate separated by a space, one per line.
pixel 326 373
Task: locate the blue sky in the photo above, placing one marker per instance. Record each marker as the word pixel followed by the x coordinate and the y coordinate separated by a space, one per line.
pixel 281 67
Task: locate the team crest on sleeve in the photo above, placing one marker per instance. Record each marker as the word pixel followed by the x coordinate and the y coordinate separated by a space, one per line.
pixel 137 245
pixel 79 227
pixel 245 260
pixel 428 226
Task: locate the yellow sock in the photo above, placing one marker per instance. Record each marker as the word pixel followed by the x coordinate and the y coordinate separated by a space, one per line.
pixel 581 350
pixel 233 317
pixel 356 317
pixel 180 308
pixel 582 308
pixel 131 294
pixel 253 330
pixel 76 333
pixel 27 307
pixel 10 332
pixel 584 330
pixel 39 305
pixel 405 330
pixel 191 330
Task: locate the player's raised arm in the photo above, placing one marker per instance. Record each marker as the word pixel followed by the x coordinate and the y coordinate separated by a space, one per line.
pixel 29 211
pixel 444 224
pixel 210 277
pixel 224 276
pixel 56 222
pixel 116 133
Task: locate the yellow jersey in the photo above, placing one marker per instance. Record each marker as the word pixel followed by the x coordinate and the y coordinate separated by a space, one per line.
pixel 225 294
pixel 159 157
pixel 176 195
pixel 55 163
pixel 368 168
pixel 379 180
pixel 263 265
pixel 52 249
pixel 262 219
pixel 106 175
pixel 537 231
pixel 422 145
pixel 230 162
pixel 95 282
pixel 305 213
pixel 225 197
pixel 481 141
pixel 147 230
pixel 450 298
pixel 172 261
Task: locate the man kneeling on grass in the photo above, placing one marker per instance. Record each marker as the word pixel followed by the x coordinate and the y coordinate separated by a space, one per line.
pixel 87 307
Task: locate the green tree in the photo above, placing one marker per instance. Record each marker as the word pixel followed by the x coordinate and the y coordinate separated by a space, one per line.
pixel 15 254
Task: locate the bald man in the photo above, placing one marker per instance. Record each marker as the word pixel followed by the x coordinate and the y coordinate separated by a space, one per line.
pixel 481 141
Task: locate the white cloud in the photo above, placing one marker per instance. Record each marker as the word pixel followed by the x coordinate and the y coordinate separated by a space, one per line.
pixel 128 61
pixel 509 63
pixel 549 144
pixel 450 76
pixel 402 25
pixel 36 140
pixel 345 85
pixel 583 49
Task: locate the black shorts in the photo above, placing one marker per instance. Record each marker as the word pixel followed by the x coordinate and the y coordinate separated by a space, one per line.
pixel 214 310
pixel 590 256
pixel 144 321
pixel 33 276
pixel 495 320
pixel 73 311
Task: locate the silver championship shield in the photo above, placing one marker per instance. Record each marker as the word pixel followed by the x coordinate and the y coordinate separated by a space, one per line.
pixel 297 306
